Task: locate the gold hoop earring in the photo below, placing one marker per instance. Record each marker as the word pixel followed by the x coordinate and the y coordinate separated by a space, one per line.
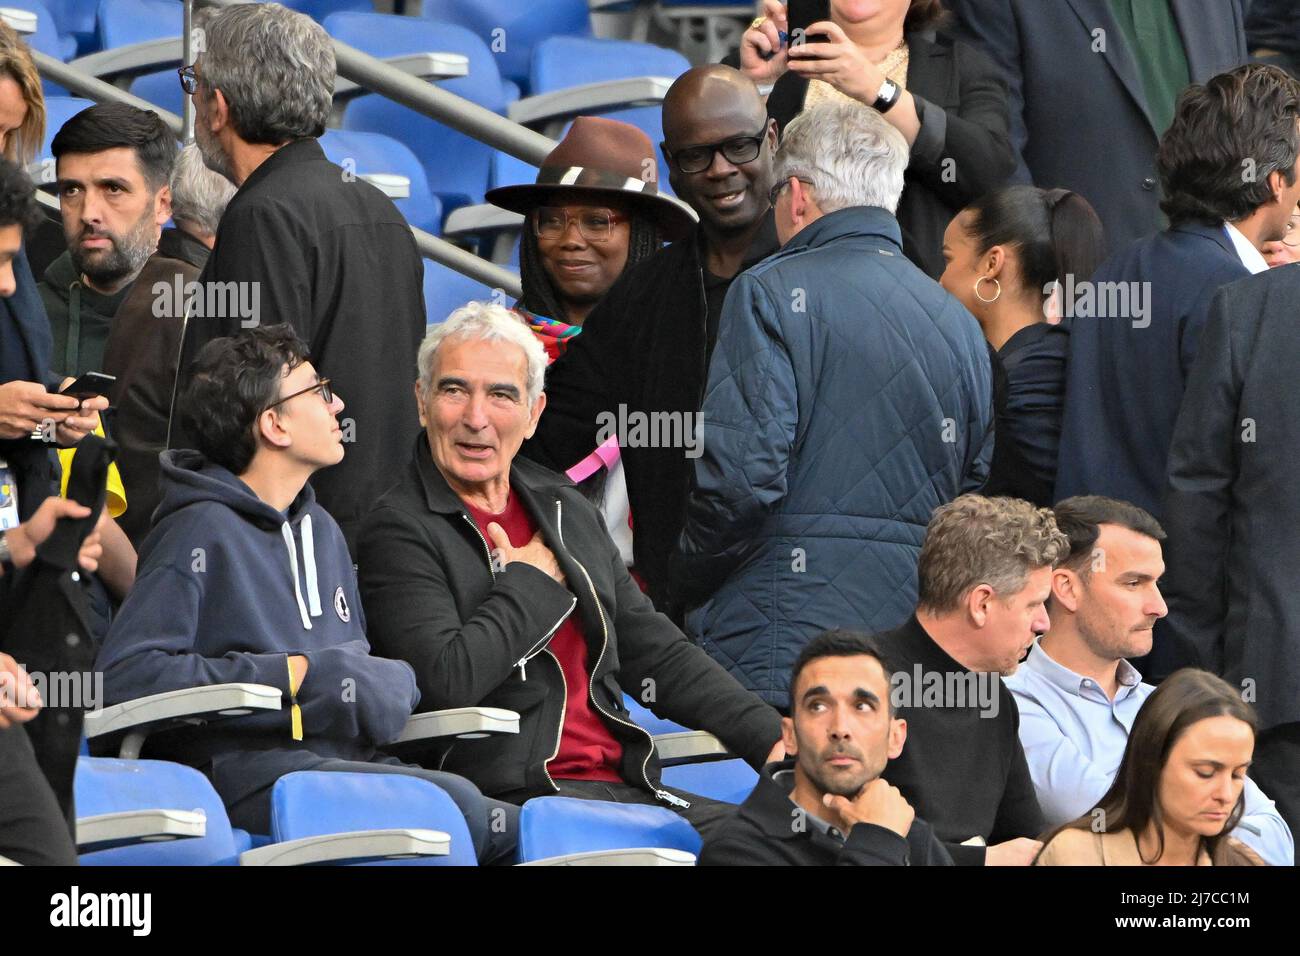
pixel 995 294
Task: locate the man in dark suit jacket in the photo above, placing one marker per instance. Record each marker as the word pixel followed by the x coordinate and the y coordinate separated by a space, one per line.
pixel 1233 506
pixel 1087 103
pixel 1135 327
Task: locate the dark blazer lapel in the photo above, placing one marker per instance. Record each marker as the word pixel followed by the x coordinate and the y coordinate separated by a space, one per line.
pixel 930 70
pixel 1096 14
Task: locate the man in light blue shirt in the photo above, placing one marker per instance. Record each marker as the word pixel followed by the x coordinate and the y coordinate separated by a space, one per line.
pixel 1077 694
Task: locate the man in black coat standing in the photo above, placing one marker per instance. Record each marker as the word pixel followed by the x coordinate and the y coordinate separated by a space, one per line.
pixel 1093 85
pixel 1232 509
pixel 646 347
pixel 304 242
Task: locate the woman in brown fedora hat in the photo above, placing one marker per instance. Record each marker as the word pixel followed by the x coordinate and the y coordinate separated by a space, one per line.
pixel 594 210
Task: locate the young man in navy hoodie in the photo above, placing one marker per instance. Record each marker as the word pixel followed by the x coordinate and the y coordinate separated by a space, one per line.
pixel 244 577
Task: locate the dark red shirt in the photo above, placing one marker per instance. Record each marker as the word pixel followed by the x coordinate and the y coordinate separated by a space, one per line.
pixel 588 751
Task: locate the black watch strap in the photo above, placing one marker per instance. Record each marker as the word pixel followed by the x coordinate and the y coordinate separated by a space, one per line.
pixel 890 93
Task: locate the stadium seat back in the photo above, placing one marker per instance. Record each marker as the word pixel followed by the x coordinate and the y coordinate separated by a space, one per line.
pixel 109 785
pixel 162 89
pixel 446 290
pixel 58 110
pixel 727 780
pixel 562 61
pixel 123 22
pixel 457 166
pixel 513 28
pixel 47 38
pixel 557 826
pixel 306 804
pixel 366 153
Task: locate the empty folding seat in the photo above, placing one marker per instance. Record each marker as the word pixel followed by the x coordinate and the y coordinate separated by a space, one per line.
pixel 446 290
pixel 457 166
pixel 513 28
pixel 160 814
pixel 392 167
pixel 373 818
pixel 727 780
pixel 557 830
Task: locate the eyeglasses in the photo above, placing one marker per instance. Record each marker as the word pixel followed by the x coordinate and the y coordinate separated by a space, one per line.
pixel 594 224
pixel 1292 236
pixel 737 151
pixel 776 190
pixel 189 79
pixel 323 386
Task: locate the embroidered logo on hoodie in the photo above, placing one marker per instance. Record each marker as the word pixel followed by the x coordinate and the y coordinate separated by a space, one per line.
pixel 341 605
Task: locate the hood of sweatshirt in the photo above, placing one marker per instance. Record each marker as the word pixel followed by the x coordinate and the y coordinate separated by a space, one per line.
pixel 188 479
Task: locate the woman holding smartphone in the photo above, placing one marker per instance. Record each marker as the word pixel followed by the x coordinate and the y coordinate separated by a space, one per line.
pixel 946 98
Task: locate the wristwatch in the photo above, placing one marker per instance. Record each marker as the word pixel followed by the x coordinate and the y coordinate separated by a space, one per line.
pixel 890 93
pixel 6 559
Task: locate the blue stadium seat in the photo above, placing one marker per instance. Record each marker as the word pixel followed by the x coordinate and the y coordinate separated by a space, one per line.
pixel 560 826
pixel 446 290
pixel 58 110
pixel 47 38
pixel 122 22
pixel 561 61
pixel 647 721
pixel 307 804
pixel 108 785
pixel 727 780
pixel 161 89
pixel 369 153
pixel 76 19
pixel 457 165
pixel 512 28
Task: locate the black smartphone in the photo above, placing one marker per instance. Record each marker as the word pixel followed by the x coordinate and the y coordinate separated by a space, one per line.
pixel 89 385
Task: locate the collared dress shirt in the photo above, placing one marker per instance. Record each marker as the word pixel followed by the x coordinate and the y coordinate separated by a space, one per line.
pixel 1074 738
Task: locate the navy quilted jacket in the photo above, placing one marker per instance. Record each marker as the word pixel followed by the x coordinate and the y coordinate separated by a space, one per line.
pixel 848 396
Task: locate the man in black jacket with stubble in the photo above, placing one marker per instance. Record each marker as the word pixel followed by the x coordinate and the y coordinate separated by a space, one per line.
pixel 496 580
pixel 828 805
pixel 646 346
pixel 304 242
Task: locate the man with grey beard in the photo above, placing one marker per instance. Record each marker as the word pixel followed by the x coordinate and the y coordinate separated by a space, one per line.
pixel 113 164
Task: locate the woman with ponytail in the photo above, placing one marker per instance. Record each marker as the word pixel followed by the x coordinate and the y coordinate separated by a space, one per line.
pixel 1006 256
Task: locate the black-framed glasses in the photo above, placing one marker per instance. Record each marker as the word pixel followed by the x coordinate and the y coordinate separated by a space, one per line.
pixel 323 386
pixel 738 150
pixel 594 223
pixel 189 79
pixel 776 190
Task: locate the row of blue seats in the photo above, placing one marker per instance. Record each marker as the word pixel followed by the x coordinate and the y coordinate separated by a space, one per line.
pixel 151 812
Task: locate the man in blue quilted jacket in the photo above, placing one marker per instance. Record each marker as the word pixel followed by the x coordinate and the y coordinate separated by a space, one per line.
pixel 848 396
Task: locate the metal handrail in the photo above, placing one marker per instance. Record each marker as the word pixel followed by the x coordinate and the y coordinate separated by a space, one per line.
pixel 375 75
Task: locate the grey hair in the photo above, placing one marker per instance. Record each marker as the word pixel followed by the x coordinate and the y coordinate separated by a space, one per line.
pixel 199 196
pixel 850 154
pixel 488 322
pixel 275 68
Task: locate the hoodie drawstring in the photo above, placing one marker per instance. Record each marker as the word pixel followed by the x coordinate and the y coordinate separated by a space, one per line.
pixel 287 532
pixel 309 565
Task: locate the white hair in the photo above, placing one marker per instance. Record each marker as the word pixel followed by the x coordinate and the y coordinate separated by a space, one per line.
pixel 849 153
pixel 487 322
pixel 199 196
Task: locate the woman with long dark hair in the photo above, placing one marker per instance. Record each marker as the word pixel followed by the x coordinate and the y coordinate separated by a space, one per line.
pixel 1006 255
pixel 1178 792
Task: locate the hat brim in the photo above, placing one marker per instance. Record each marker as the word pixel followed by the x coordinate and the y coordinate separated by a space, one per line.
pixel 674 218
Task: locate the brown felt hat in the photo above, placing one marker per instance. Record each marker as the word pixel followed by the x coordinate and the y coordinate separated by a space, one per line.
pixel 612 161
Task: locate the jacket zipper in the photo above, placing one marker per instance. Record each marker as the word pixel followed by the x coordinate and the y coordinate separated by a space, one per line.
pixel 659 792
pixel 176 382
pixel 536 649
